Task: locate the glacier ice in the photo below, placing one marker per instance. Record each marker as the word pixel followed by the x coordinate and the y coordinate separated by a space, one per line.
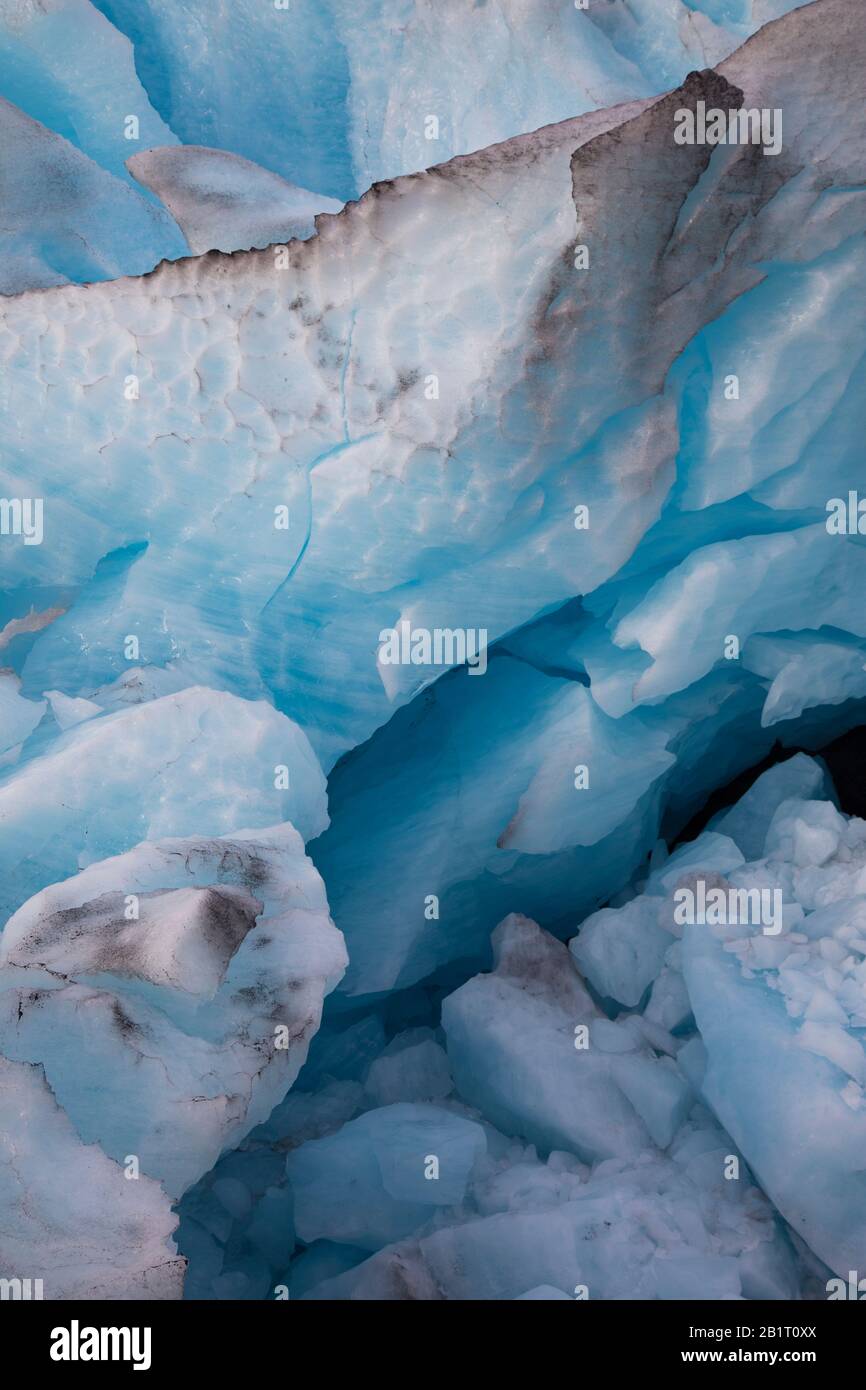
pixel 222 202
pixel 464 1044
pixel 407 1159
pixel 68 68
pixel 338 92
pixel 170 993
pixel 113 1241
pixel 67 219
pixel 201 761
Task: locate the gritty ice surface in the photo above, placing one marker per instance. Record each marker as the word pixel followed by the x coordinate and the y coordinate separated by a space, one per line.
pixel 170 994
pixel 222 202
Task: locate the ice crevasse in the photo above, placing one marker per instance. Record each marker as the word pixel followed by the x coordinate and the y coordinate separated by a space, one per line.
pixel 302 912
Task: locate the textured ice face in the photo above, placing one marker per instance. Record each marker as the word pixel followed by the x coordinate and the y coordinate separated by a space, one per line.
pixel 335 96
pixel 329 96
pixel 582 395
pixel 373 432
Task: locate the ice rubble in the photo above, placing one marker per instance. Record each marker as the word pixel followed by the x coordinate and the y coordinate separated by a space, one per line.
pixel 605 1211
pixel 597 1171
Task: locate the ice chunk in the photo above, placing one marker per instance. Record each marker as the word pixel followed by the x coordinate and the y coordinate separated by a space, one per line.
pixel 669 1005
pixel 804 833
pixel 200 761
pixel 747 822
pixel 621 950
pixel 93 1235
pixel 806 671
pixel 170 993
pixel 759 584
pixel 222 202
pixel 530 1049
pixel 383 1174
pixel 711 852
pixel 412 1067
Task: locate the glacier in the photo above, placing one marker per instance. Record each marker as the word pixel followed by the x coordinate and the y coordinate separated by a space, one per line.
pixel 530 965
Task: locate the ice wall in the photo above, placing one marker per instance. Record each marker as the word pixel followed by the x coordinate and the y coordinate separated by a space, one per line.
pixel 585 397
